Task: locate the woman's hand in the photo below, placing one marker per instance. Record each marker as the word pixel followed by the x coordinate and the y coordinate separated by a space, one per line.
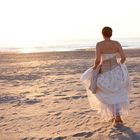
pixel 94 67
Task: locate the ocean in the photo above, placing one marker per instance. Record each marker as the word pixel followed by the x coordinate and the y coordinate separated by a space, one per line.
pixel 71 45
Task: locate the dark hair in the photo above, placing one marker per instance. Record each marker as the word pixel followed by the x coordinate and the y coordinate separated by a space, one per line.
pixel 107 31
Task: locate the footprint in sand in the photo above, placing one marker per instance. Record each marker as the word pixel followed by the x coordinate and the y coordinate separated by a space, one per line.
pixel 31 101
pixel 83 134
pixel 9 99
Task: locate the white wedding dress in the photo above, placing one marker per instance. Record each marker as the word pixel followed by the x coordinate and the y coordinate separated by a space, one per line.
pixel 111 98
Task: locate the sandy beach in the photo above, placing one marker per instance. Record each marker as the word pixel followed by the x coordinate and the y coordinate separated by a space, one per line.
pixel 42 98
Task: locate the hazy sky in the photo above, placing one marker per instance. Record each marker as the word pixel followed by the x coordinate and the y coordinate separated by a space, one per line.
pixel 41 22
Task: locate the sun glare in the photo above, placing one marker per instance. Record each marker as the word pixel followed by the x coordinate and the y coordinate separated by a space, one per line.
pixel 43 22
pixel 27 50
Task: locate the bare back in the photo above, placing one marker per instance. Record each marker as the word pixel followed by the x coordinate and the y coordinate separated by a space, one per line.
pixel 108 47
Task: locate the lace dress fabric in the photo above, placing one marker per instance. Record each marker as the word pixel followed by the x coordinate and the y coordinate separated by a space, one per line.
pixel 111 98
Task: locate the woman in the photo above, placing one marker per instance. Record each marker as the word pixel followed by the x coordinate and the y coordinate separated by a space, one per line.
pixel 111 98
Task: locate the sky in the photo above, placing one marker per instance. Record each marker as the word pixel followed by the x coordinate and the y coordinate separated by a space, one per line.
pixel 46 22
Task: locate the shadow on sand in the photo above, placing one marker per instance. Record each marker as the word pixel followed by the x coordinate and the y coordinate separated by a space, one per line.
pixel 124 133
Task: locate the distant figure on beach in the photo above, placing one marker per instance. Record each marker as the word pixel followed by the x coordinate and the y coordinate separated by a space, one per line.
pixel 113 82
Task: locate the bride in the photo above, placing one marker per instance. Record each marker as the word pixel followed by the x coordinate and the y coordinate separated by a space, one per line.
pixel 111 97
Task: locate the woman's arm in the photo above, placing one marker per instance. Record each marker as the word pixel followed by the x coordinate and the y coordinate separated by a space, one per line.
pixel 97 56
pixel 121 52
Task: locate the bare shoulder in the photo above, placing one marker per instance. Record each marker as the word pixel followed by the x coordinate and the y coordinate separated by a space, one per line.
pixel 100 43
pixel 116 42
pixel 111 41
pixel 107 46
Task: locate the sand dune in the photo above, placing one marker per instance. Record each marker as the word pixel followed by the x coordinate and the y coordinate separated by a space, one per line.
pixel 42 98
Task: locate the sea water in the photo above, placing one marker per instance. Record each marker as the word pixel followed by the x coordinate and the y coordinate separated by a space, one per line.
pixel 69 45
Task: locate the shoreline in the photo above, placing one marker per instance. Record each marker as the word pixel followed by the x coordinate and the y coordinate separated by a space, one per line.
pixel 78 54
pixel 75 50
